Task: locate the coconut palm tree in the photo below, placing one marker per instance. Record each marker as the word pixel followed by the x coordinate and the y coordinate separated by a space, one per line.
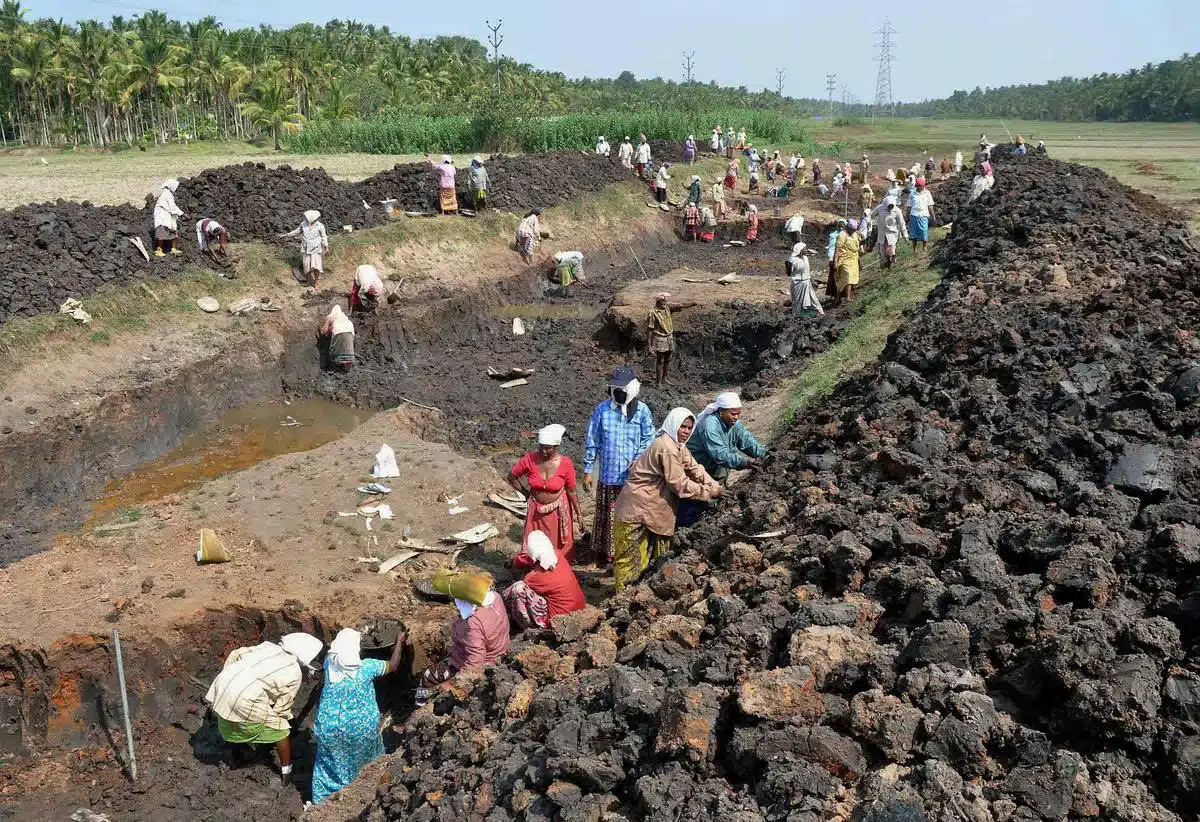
pixel 274 108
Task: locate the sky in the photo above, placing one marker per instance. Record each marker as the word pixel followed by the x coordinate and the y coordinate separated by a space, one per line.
pixel 940 45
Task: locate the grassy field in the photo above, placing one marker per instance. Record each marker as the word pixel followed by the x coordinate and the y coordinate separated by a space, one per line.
pixel 128 176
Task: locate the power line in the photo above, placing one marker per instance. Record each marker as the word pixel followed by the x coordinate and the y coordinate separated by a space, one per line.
pixel 883 81
pixel 830 85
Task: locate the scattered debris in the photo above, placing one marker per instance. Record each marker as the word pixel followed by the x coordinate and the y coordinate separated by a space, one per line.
pixel 211 548
pixel 290 422
pixel 382 510
pixel 75 308
pixel 374 488
pixel 474 536
pixel 514 383
pixel 518 326
pixel 517 505
pixel 511 373
pixel 395 560
pixel 385 464
pixel 208 305
pixel 458 509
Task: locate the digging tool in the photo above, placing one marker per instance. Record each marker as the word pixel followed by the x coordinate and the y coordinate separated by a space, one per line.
pixel 645 276
pixel 125 704
pixel 137 241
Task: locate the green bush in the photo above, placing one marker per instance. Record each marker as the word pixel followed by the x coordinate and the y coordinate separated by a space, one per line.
pixel 492 128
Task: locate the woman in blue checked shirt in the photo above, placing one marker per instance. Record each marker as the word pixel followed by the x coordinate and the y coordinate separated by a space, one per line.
pixel 620 429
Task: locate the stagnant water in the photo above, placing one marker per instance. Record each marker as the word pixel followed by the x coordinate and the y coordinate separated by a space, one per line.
pixel 239 439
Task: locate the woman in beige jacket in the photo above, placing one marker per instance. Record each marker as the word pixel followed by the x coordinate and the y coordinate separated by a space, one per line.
pixel 645 511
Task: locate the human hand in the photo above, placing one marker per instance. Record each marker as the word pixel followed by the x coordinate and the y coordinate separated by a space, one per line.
pixel 718 491
pixel 587 483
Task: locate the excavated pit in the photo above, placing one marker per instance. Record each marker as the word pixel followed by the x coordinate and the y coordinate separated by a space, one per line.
pixel 62 743
pixel 136 446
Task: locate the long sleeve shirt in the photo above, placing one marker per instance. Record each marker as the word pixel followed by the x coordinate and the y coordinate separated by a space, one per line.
pixel 313 239
pixel 661 180
pixel 482 638
pixel 662 476
pixel 625 151
pixel 616 440
pixel 477 178
pixel 642 155
pixel 445 172
pixel 715 444
pixel 257 684
pixel 165 210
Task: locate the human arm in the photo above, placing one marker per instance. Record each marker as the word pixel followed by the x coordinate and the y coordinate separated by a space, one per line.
pixel 668 460
pixel 324 236
pixel 746 442
pixel 591 447
pixel 647 429
pixel 294 232
pixel 474 645
pixel 695 472
pixel 521 469
pixel 281 689
pixel 394 660
pixel 326 327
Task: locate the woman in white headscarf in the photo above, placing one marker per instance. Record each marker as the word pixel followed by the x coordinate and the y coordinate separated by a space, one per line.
pixel 447 196
pixel 347 723
pixel 314 244
pixel 645 512
pixel 804 297
pixel 548 589
pixel 549 489
pixel 337 332
pixel 166 220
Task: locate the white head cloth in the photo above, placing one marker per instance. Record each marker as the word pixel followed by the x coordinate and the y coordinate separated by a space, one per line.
pixel 541 550
pixel 312 215
pixel 304 647
pixel 675 418
pixel 724 400
pixel 465 609
pixel 551 434
pixel 344 655
pixel 171 185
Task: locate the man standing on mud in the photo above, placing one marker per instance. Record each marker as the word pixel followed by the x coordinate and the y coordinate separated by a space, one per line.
pixel 620 429
pixel 920 212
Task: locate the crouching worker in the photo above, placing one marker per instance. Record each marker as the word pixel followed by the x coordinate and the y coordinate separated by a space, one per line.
pixel 479 635
pixel 645 512
pixel 721 444
pixel 367 290
pixel 336 339
pixel 549 589
pixel 253 695
pixel 212 239
pixel 347 724
pixel 568 267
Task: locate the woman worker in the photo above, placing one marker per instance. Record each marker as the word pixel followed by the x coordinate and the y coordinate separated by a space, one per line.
pixel 645 511
pixel 845 260
pixel 337 333
pixel 480 634
pixel 252 697
pixel 804 297
pixel 314 244
pixel 166 222
pixel 477 181
pixel 367 290
pixel 549 589
pixel 347 723
pixel 529 230
pixel 549 491
pixel 752 224
pixel 447 197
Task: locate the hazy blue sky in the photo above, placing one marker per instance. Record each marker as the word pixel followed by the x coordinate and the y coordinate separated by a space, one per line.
pixel 941 46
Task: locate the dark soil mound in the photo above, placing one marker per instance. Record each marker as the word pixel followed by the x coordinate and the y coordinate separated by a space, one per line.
pixel 985 602
pixel 53 251
pixel 58 250
pixel 516 183
pixel 258 203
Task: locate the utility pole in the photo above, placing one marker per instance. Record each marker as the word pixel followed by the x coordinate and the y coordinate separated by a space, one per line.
pixel 883 81
pixel 830 85
pixel 495 39
pixel 779 74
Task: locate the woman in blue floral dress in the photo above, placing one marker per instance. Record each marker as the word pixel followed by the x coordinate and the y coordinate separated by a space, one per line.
pixel 347 724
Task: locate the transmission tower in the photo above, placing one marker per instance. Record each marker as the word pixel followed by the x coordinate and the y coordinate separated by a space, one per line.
pixel 779 74
pixel 883 81
pixel 494 40
pixel 689 64
pixel 830 85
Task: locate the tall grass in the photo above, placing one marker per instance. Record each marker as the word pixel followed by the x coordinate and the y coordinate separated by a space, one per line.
pixel 408 134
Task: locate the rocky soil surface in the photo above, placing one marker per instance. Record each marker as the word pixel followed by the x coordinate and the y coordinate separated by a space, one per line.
pixel 984 603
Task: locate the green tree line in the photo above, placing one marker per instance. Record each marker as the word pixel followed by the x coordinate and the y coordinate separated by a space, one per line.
pixel 149 78
pixel 1168 91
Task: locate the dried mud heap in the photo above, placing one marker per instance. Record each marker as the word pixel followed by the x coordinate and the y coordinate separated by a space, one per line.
pixel 985 606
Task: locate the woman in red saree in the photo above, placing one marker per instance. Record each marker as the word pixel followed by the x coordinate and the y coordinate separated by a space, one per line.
pixel 550 490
